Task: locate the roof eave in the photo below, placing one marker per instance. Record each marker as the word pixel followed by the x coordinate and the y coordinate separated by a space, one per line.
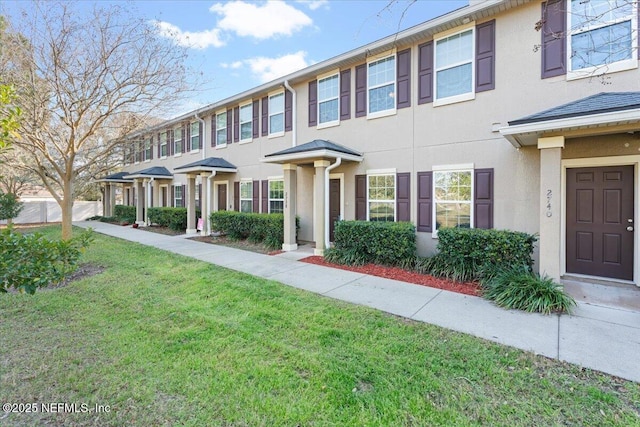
pixel 196 169
pixel 309 155
pixel 144 176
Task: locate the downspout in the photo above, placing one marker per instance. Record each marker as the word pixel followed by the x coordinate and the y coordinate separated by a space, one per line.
pixel 326 200
pixel 149 195
pixel 204 146
pixel 207 225
pixel 294 132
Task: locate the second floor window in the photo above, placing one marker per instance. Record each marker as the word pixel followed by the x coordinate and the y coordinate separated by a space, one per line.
pixel 221 129
pixel 177 140
pixel 148 147
pixel 276 113
pixel 246 117
pixel 454 65
pixel 382 85
pixel 328 103
pixel 163 144
pixel 194 138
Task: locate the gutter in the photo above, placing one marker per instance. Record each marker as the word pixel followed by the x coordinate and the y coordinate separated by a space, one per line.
pixel 294 139
pixel 326 201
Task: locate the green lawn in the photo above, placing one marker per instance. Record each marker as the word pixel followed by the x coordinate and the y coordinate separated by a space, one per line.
pixel 166 340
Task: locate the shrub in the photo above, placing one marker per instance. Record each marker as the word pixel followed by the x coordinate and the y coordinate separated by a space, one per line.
pixel 467 254
pixel 257 228
pixel 361 242
pixel 10 206
pixel 30 261
pixel 521 289
pixel 125 213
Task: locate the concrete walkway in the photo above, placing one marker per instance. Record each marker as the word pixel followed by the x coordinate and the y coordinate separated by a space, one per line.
pixel 596 336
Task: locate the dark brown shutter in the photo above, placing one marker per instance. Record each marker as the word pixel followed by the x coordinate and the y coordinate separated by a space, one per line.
pixel 170 149
pixel 361 197
pixel 256 196
pixel 184 197
pixel 200 134
pixel 265 196
pixel 229 124
pixel 150 149
pixel 361 90
pixel 403 77
pixel 425 73
pixel 236 196
pixel 256 118
pixel 186 133
pixel 159 149
pixel 172 196
pixel 483 198
pixel 485 56
pixel 214 128
pixel 288 111
pixel 236 124
pixel 553 38
pixel 403 196
pixel 313 103
pixel 425 201
pixel 345 94
pixel 265 116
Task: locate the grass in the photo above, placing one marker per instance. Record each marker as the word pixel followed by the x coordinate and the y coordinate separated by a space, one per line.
pixel 166 340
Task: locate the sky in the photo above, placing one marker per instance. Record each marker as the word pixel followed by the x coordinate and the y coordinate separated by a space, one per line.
pixel 237 45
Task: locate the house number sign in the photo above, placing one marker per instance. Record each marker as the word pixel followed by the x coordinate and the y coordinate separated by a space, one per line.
pixel 549 195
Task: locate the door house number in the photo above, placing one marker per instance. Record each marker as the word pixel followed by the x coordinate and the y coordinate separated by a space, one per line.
pixel 549 194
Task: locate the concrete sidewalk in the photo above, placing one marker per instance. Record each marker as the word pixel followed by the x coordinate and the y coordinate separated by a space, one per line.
pixel 599 337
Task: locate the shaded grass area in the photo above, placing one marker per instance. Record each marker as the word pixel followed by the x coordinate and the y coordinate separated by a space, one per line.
pixel 166 340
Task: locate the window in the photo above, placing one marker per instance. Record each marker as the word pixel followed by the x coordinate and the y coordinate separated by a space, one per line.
pixel 221 129
pixel 246 117
pixel 137 152
pixel 453 198
pixel 148 145
pixel 454 67
pixel 328 101
pixel 194 138
pixel 600 32
pixel 246 196
pixel 382 85
pixel 276 196
pixel 381 202
pixel 163 144
pixel 276 114
pixel 177 141
pixel 177 196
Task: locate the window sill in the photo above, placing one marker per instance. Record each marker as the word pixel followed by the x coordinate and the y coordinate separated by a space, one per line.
pixel 177 155
pixel 147 161
pixel 220 147
pixel 275 135
pixel 194 151
pixel 163 157
pixel 245 141
pixel 328 124
pixel 600 70
pixel 454 99
pixel 379 114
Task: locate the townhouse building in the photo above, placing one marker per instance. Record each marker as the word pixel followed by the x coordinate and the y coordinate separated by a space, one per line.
pixel 509 114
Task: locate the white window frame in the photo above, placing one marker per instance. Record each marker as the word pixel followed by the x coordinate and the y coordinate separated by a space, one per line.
pixel 465 167
pixel 394 82
pixel 248 106
pixel 320 101
pixel 177 143
pixel 437 101
pixel 272 134
pixel 218 145
pixel 270 199
pixel 383 172
pixel 175 193
pixel 163 143
pixel 245 182
pixel 147 153
pixel 195 125
pixel 625 64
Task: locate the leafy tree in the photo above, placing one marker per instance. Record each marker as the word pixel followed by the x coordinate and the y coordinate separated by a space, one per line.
pixel 10 206
pixel 9 115
pixel 83 81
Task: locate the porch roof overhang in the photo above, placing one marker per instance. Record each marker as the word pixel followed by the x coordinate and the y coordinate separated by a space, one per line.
pixel 318 149
pixel 210 164
pixel 156 172
pixel 118 177
pixel 600 114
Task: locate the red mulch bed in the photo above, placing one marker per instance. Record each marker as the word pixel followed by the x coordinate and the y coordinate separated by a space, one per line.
pixel 467 288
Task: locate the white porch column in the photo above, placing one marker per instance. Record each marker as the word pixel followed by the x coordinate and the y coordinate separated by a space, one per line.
pixel 191 204
pixel 205 203
pixel 290 190
pixel 318 209
pixel 550 203
pixel 112 199
pixel 108 189
pixel 147 199
pixel 140 201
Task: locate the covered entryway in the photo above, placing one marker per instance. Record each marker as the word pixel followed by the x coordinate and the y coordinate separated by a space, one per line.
pixel 600 221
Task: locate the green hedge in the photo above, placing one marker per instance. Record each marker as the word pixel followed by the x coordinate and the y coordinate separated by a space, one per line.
pixel 361 242
pixel 265 228
pixel 125 213
pixel 174 218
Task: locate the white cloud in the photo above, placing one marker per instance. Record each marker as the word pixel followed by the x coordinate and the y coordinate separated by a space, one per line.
pixel 233 65
pixel 267 69
pixel 314 4
pixel 271 19
pixel 196 40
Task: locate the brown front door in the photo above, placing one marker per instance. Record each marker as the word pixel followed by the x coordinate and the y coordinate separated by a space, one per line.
pixel 600 221
pixel 222 197
pixel 334 205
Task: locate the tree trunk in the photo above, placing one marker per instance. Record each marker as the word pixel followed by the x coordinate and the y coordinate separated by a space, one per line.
pixel 66 204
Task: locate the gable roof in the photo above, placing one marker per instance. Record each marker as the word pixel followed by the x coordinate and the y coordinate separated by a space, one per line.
pixel 154 172
pixel 314 150
pixel 115 177
pixel 210 164
pixel 316 144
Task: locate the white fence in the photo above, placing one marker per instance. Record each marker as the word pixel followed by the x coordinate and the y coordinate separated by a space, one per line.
pixel 49 211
